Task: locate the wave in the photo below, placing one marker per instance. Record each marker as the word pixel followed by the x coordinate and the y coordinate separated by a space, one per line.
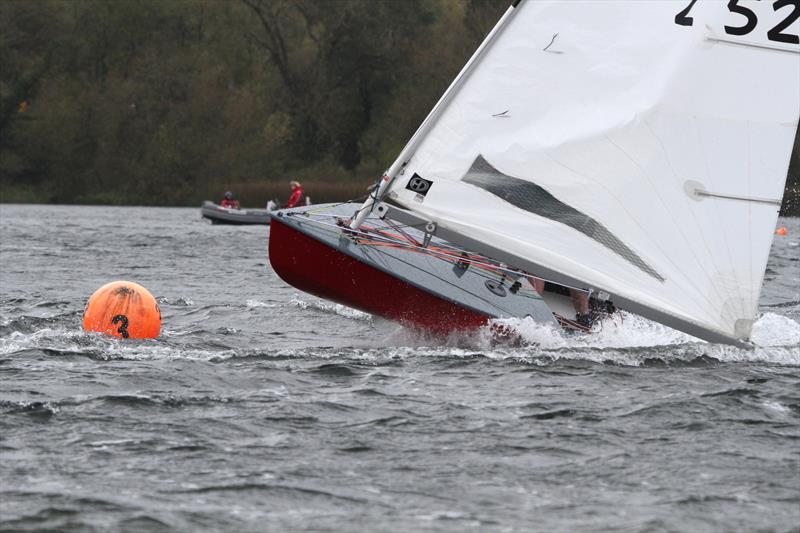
pixel 632 340
pixel 74 342
pixel 178 302
pixel 52 407
pixel 253 304
pixel 628 330
pixel 332 308
pixel 624 339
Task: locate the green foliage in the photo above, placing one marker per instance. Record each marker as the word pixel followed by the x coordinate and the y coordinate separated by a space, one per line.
pixel 166 102
pixel 159 101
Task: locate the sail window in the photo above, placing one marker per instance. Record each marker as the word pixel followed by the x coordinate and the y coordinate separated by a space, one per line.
pixel 534 199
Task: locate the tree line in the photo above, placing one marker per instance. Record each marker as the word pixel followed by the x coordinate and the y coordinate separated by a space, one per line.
pixel 165 102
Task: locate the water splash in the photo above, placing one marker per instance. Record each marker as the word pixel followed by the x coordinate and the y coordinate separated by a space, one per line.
pixel 64 342
pixel 632 340
pixel 254 304
pixel 332 308
pixel 178 302
pixel 624 339
pixel 776 330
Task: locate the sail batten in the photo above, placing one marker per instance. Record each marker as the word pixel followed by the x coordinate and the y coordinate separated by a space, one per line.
pixel 708 194
pixel 602 142
pixel 760 46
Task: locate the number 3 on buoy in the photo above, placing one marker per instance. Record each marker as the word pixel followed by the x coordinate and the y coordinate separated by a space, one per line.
pixel 123 309
pixel 123 328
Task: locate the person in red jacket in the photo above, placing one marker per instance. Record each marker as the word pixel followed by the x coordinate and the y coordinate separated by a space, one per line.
pixel 298 197
pixel 228 201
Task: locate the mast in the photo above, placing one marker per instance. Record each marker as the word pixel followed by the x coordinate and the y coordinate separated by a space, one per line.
pixel 408 151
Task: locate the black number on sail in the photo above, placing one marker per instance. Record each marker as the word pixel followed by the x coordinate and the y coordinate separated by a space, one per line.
pixel 750 25
pixel 123 325
pixel 683 18
pixel 776 33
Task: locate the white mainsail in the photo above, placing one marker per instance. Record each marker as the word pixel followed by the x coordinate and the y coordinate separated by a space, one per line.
pixel 635 147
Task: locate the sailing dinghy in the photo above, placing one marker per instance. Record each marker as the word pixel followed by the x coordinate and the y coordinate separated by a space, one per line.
pixel 635 150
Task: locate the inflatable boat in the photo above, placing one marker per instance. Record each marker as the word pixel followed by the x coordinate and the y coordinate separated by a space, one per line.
pixel 216 214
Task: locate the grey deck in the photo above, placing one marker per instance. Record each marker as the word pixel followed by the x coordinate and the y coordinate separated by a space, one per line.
pixel 427 272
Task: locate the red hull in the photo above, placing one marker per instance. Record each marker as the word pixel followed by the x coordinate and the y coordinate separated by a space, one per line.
pixel 314 267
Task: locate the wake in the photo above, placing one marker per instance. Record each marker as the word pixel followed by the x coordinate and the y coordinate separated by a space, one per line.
pixel 623 339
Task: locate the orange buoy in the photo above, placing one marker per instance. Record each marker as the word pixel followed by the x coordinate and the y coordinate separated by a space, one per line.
pixel 123 309
pixel 780 231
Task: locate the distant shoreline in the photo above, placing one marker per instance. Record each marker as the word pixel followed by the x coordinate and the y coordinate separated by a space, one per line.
pixel 250 194
pixel 789 211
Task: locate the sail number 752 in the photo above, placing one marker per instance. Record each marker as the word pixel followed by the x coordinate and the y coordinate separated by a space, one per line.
pixel 750 20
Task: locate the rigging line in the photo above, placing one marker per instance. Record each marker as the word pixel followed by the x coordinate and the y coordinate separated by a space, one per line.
pixel 375 229
pixel 493 268
pixel 360 209
pixel 436 247
pixel 479 271
pixel 408 237
pixel 447 282
pixel 404 237
pixel 431 251
pixel 338 216
pixel 613 195
pixel 317 211
pixel 394 241
pixel 458 287
pixel 372 194
pixel 388 236
pixel 437 254
pixel 436 250
pixel 443 254
pixel 393 225
pixel 452 259
pixel 663 203
pixel 442 244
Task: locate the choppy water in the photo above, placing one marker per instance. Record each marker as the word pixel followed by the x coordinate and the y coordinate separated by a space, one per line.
pixel 263 408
